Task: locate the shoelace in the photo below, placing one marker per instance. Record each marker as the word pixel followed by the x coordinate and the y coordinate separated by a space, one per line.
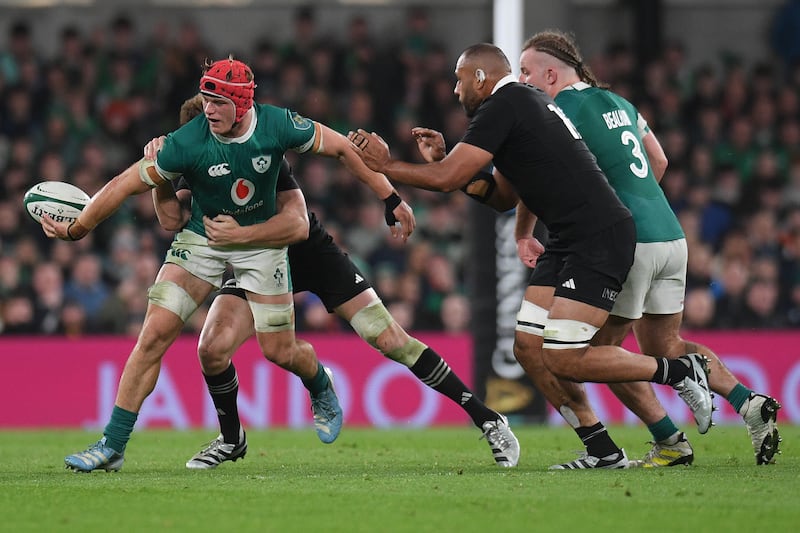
pixel 688 395
pixel 321 407
pixel 654 451
pixel 90 453
pixel 97 446
pixel 213 445
pixel 495 436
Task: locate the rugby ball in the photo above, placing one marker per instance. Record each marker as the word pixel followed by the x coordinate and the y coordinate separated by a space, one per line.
pixel 61 201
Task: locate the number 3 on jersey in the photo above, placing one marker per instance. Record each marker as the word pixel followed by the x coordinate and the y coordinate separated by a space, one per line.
pixel 627 138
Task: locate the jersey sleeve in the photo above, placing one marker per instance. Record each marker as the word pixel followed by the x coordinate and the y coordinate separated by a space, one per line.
pixel 286 181
pixel 171 159
pixel 491 125
pixel 299 132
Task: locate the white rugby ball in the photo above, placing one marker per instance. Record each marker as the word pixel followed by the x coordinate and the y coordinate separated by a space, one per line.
pixel 61 201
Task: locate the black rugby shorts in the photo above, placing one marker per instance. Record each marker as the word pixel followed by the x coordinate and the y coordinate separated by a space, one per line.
pixel 592 270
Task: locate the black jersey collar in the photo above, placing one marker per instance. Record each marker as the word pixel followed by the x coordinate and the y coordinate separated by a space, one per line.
pixel 502 82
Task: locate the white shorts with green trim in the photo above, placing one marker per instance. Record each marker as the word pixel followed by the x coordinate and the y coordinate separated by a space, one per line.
pixel 259 270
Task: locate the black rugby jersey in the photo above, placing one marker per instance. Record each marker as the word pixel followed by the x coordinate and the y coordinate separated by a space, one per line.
pixel 540 152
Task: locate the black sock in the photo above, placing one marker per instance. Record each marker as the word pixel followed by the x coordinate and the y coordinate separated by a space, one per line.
pixel 224 388
pixel 670 371
pixel 597 440
pixel 434 372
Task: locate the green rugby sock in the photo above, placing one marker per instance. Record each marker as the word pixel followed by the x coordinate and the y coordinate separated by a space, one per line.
pixel 318 383
pixel 119 428
pixel 663 429
pixel 738 396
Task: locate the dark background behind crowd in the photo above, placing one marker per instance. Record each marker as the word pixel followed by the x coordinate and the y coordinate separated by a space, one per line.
pixel 731 131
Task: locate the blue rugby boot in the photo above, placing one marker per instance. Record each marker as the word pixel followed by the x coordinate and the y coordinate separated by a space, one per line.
pixel 327 412
pixel 98 456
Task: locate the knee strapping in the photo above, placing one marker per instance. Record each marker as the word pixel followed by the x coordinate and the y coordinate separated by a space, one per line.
pixel 370 322
pixel 373 320
pixel 173 297
pixel 407 354
pixel 562 334
pixel 272 317
pixel 531 318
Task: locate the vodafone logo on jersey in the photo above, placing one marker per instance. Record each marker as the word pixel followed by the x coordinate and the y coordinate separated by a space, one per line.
pixel 242 191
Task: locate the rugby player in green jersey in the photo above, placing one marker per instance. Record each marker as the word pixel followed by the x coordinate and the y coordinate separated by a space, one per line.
pixel 231 158
pixel 651 301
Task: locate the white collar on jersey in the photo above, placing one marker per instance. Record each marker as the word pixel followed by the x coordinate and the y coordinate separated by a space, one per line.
pixel 578 86
pixel 243 137
pixel 502 82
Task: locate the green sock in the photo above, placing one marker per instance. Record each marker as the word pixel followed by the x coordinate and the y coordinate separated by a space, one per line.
pixel 119 428
pixel 663 429
pixel 318 383
pixel 738 396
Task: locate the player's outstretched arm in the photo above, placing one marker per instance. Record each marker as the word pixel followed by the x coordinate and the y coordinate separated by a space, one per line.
pixel 451 173
pixel 105 202
pixel 336 145
pixel 487 188
pixel 288 226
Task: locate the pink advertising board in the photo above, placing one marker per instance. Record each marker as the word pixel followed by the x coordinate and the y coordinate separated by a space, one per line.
pixel 59 382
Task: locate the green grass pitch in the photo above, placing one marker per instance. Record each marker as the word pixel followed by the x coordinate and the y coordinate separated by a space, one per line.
pixel 434 480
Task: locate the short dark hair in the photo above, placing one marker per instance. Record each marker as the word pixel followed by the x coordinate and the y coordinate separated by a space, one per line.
pixel 487 50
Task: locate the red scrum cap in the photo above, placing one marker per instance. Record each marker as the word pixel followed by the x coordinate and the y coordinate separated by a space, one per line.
pixel 232 80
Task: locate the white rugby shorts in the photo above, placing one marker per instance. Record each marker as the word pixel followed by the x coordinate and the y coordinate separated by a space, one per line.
pixel 656 282
pixel 259 270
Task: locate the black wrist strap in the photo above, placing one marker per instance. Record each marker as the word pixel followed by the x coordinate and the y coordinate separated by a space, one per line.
pixel 69 235
pixel 392 201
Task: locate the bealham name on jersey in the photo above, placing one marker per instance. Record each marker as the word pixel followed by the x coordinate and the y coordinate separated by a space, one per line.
pixel 234 176
pixel 614 130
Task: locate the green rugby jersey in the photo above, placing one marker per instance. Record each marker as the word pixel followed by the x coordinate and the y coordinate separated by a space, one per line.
pixel 234 176
pixel 613 129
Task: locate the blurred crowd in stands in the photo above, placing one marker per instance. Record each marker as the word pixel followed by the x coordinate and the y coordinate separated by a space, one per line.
pixel 731 132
